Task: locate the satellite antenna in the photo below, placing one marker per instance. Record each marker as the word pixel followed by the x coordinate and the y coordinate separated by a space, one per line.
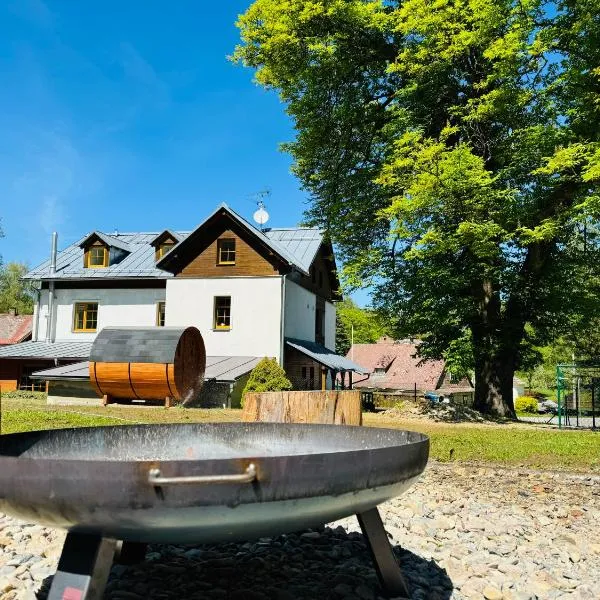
pixel 261 216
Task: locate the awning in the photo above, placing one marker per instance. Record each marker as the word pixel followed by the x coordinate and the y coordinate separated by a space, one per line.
pixel 222 369
pixel 324 356
pixel 42 350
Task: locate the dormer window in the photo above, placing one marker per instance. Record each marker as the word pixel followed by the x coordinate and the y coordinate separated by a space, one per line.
pixel 96 257
pixel 101 250
pixel 163 249
pixel 226 251
pixel 163 243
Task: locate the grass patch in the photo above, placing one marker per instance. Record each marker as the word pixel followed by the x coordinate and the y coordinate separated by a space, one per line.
pixel 509 444
pixel 14 421
pixel 528 445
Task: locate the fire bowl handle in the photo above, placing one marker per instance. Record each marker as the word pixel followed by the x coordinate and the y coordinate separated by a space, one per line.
pixel 248 476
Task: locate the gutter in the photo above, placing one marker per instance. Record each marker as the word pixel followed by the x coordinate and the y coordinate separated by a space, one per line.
pixel 52 273
pixel 36 326
pixel 282 322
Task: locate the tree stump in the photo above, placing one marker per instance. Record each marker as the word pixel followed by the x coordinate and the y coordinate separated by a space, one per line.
pixel 331 407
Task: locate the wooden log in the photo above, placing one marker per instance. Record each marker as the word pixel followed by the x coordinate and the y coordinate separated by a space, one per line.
pixel 339 407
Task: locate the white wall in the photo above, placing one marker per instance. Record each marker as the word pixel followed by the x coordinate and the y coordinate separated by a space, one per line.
pixel 300 308
pixel 255 313
pixel 330 325
pixel 127 307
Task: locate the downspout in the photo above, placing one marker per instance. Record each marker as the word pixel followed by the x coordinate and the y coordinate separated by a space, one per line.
pixel 282 322
pixel 38 292
pixel 52 272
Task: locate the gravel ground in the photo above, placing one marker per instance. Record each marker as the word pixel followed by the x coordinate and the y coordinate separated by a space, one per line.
pixel 461 532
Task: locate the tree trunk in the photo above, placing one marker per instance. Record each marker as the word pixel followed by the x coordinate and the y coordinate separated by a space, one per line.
pixel 493 386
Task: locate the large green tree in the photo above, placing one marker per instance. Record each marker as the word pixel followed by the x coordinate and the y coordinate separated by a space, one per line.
pixel 14 292
pixel 451 148
pixel 358 325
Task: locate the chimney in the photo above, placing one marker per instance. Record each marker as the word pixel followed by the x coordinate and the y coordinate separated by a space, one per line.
pixel 53 254
pixel 51 273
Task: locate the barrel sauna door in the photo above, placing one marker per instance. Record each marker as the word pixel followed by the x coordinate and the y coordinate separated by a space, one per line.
pixel 190 360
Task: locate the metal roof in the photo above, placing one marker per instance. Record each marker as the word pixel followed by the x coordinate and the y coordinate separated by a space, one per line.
pixel 63 350
pixel 229 368
pixel 140 262
pixel 109 240
pixel 226 369
pixel 73 372
pixel 136 344
pixel 325 356
pixel 297 246
pixel 301 243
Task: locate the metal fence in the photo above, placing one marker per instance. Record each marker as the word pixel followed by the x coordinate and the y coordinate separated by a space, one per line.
pixel 578 395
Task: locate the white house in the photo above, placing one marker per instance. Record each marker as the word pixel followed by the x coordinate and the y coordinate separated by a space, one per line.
pixel 251 293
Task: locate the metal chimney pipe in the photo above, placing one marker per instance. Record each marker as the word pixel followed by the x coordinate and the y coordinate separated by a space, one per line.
pixel 51 273
pixel 53 253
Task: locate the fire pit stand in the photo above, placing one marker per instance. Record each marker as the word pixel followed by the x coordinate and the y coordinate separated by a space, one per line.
pixel 86 560
pixel 201 483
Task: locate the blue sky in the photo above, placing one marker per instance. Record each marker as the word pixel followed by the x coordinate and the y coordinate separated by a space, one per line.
pixel 128 116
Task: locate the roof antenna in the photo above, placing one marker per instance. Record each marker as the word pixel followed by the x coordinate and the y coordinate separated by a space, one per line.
pixel 261 216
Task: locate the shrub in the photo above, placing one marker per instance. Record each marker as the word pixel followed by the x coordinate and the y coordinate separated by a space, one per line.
pixel 267 376
pixel 526 404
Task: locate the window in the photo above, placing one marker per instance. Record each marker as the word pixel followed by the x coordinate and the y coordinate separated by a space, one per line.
pixel 163 249
pixel 86 316
pixel 160 314
pixel 222 318
pixel 97 257
pixel 226 252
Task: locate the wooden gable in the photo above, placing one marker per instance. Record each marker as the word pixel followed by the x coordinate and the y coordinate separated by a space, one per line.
pixel 251 257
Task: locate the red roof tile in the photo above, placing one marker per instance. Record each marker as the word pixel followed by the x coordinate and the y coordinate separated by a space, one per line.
pixel 14 328
pixel 402 369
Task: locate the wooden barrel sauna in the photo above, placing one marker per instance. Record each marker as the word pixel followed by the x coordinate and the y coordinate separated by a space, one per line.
pixel 148 363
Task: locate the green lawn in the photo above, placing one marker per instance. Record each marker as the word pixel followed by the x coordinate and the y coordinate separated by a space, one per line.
pixel 509 444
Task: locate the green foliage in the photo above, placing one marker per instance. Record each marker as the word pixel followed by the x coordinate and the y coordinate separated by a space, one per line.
pixel 267 376
pixel 14 292
pixel 363 325
pixel 526 404
pixel 452 150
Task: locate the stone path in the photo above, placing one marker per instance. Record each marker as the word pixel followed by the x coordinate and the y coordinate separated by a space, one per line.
pixel 461 532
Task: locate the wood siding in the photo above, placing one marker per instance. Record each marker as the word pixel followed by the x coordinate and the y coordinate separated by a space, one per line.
pixel 10 373
pixel 294 362
pixel 248 261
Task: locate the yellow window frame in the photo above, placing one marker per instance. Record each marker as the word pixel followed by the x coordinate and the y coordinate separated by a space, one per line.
pixel 84 309
pixel 161 313
pixel 163 249
pixel 88 257
pixel 221 251
pixel 216 316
